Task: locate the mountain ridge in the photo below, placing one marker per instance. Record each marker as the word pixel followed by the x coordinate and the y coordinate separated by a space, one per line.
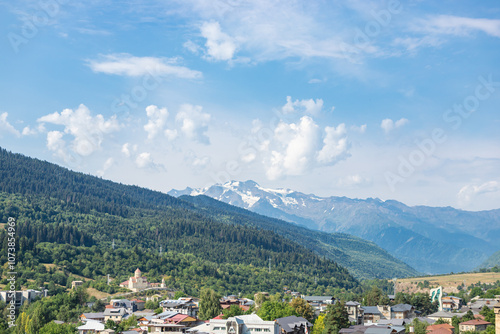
pixel 450 240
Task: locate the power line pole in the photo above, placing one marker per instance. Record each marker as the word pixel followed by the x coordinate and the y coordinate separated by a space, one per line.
pixel 269 264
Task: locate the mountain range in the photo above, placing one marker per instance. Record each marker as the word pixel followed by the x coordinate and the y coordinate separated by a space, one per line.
pixel 433 240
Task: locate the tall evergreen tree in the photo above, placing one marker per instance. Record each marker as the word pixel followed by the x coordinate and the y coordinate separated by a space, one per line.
pixel 336 318
pixel 209 304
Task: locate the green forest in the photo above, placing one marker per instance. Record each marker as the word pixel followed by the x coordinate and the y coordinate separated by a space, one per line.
pixel 71 219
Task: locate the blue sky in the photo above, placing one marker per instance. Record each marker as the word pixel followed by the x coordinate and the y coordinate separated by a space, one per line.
pixel 388 99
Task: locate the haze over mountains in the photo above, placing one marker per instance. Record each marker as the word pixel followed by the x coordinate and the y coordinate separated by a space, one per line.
pixel 430 239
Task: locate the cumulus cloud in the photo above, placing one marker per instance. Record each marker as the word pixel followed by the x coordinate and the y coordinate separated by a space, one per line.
pixel 468 193
pixel 56 144
pixel 126 149
pixel 360 129
pixel 297 148
pixel 144 160
pixel 388 124
pixel 219 45
pixel 107 165
pixel 157 118
pixel 128 65
pixel 193 123
pixel 310 106
pixel 335 145
pixel 88 131
pixel 5 126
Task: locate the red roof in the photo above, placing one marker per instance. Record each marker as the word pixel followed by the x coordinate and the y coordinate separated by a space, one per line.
pixel 475 322
pixel 219 317
pixel 440 331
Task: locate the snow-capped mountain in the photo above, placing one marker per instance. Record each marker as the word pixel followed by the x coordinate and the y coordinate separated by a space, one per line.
pixel 430 239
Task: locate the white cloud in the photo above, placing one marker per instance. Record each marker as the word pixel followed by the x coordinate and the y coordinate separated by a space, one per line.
pixel 87 131
pixel 56 144
pixel 128 65
pixel 469 192
pixel 297 148
pixel 360 129
pixel 458 26
pixel 157 119
pixel 355 180
pixel 144 160
pixel 388 124
pixel 306 106
pixel 107 165
pixel 126 149
pixel 220 46
pixel 335 145
pixel 5 126
pixel 193 123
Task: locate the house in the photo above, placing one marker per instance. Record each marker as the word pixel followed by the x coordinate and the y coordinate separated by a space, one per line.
pixel 158 327
pixel 242 324
pixel 440 329
pixel 99 316
pixel 355 312
pixel 446 316
pixel 140 304
pixel 476 305
pixel 385 311
pixel 115 314
pixel 182 305
pixel 402 311
pixel 129 305
pixel 294 325
pixel 319 303
pixel 76 284
pixel 451 303
pixel 473 325
pixel 371 315
pixel 91 327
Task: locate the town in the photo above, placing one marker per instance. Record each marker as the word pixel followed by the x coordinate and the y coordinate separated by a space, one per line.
pixel 154 308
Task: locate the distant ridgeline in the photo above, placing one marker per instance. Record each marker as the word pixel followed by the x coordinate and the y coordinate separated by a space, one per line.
pixel 71 219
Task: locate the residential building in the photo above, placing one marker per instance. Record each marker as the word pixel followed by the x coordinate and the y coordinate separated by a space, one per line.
pixel 371 315
pixel 319 303
pixel 355 312
pixel 99 316
pixel 440 329
pixel 451 303
pixel 182 305
pixel 473 325
pixel 129 305
pixel 294 325
pixel 446 316
pixel 115 314
pixel 402 311
pixel 242 324
pixel 91 327
pixel 76 284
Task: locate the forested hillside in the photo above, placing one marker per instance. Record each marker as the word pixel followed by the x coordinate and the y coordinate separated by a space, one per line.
pixel 362 258
pixel 71 219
